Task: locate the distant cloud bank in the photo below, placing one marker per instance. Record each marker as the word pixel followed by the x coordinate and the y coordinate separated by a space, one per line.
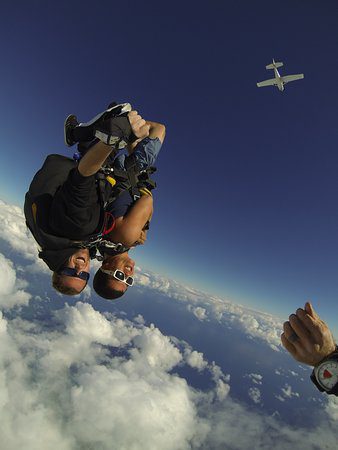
pixel 255 324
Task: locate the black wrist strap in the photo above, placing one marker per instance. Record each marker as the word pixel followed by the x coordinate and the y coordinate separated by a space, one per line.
pixel 315 382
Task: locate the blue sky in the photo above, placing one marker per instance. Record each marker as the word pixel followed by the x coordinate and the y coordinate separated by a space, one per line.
pixel 247 199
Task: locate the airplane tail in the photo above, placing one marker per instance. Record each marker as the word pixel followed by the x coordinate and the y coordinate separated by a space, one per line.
pixel 274 64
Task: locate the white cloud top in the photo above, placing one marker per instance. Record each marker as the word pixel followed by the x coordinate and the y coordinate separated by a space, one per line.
pixel 256 378
pixel 10 295
pixel 195 359
pixel 255 395
pixel 254 324
pixel 288 392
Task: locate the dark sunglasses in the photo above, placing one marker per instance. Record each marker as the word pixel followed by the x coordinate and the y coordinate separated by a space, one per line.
pixel 71 272
pixel 119 275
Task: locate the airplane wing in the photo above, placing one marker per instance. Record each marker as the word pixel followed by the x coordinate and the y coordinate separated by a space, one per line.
pixel 271 82
pixel 289 78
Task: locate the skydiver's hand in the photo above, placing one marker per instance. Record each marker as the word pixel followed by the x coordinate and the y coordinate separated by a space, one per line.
pixel 307 337
pixel 138 125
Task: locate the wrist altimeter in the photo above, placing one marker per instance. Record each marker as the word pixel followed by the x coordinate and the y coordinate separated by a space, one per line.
pixel 325 374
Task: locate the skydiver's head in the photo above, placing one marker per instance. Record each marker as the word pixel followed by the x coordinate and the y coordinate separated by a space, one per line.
pixel 114 276
pixel 73 276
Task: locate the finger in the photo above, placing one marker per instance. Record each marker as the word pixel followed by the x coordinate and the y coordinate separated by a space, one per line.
pixel 134 119
pixel 309 309
pixel 139 123
pixel 288 346
pixel 132 113
pixel 144 130
pixel 290 334
pixel 314 327
pixel 300 329
pixel 300 313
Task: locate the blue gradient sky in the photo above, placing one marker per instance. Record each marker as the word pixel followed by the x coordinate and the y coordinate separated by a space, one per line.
pixel 248 186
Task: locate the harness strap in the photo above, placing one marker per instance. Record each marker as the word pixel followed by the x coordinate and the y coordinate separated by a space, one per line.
pixel 106 227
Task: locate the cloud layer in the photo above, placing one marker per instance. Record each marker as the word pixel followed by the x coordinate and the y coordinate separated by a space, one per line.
pixel 95 381
pixel 81 379
pixel 255 324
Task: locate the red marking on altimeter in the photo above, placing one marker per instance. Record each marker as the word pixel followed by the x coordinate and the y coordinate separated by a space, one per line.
pixel 327 374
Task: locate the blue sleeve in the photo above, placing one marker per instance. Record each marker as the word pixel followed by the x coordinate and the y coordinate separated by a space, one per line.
pixel 147 151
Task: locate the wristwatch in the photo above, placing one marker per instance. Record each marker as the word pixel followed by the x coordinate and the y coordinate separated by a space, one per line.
pixel 325 374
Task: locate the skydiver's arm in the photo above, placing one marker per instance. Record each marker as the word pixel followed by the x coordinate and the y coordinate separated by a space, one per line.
pixel 94 159
pixel 75 209
pixel 128 228
pixel 156 130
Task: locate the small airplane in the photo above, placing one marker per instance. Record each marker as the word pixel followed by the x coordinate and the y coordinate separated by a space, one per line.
pixel 279 81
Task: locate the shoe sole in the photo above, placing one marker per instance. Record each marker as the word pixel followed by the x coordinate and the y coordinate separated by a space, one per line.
pixel 68 126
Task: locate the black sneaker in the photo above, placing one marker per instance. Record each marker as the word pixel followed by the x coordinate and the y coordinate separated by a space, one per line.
pixel 70 124
pixel 111 126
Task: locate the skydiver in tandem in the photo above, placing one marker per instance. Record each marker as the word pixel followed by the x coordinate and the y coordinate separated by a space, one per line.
pixel 100 200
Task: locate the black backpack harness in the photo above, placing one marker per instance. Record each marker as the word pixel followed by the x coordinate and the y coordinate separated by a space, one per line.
pixel 47 181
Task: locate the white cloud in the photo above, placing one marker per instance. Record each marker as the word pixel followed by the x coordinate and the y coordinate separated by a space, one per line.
pixel 139 319
pixel 288 392
pixel 332 408
pixel 255 394
pixel 10 295
pixel 254 324
pixel 235 427
pixel 86 293
pixel 81 393
pixel 255 378
pixel 198 312
pixel 154 349
pixel 195 359
pixel 82 382
pixel 14 231
pixel 142 279
pixel 222 390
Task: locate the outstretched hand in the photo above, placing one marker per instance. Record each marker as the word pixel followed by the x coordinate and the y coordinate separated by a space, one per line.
pixel 307 337
pixel 138 125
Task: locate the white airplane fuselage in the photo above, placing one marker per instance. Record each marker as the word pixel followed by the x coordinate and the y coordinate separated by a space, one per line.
pixel 279 81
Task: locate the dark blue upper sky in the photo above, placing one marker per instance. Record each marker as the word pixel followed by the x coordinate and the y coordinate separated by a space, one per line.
pixel 248 186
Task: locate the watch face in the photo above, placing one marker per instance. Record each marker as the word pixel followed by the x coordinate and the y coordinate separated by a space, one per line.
pixel 327 374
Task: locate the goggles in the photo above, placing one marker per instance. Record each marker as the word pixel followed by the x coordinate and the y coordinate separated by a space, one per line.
pixel 71 272
pixel 119 275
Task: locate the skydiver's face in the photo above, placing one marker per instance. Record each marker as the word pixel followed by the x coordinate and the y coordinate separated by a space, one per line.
pixel 80 261
pixel 119 262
